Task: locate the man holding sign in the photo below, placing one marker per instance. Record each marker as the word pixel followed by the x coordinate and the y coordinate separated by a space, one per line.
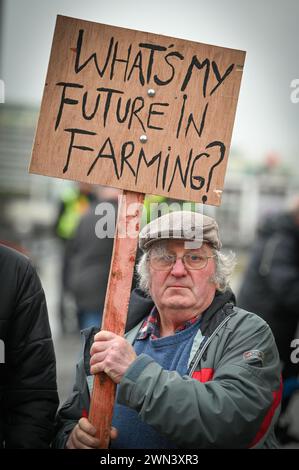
pixel 193 370
pixel 153 114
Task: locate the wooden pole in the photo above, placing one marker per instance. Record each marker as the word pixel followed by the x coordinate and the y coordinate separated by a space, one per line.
pixel 116 305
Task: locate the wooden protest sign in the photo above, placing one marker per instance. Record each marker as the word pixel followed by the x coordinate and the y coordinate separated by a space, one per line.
pixel 142 112
pixel 110 89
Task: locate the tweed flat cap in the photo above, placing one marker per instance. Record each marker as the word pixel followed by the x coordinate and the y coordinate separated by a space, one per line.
pixel 184 225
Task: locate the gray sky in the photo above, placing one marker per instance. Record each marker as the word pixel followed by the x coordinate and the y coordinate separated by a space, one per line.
pixel 266 118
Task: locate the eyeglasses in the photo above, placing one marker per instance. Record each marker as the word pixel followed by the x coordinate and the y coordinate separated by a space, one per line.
pixel 165 262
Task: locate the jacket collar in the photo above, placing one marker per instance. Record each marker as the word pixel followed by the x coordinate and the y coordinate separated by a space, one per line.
pixel 141 305
pixel 222 305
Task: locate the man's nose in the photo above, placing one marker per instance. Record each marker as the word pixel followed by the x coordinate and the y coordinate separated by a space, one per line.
pixel 178 268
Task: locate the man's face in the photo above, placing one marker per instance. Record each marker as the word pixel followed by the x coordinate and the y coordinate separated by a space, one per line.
pixel 181 288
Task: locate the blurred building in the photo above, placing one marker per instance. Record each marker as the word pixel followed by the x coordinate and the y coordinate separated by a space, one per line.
pixel 251 191
pixel 27 202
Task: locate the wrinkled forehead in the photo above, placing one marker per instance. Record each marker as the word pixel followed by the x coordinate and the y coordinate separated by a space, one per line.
pixel 181 246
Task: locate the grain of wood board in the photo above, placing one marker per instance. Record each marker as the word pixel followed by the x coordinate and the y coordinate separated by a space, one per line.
pixel 96 107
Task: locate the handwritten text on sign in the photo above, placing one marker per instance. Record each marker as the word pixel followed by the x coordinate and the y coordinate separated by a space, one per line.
pixel 97 105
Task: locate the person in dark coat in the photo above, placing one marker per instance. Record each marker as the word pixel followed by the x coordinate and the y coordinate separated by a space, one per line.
pixel 270 288
pixel 90 257
pixel 28 390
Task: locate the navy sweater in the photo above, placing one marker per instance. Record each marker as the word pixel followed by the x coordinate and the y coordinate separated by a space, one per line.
pixel 172 353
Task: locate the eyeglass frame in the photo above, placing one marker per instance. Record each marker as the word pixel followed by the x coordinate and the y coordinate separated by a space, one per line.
pixel 183 261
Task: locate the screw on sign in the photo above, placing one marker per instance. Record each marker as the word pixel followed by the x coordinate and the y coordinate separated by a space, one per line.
pixel 145 113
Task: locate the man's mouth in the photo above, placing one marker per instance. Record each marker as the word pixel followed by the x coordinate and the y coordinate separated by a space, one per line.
pixel 178 287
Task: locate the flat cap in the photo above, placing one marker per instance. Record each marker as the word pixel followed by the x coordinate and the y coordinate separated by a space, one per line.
pixel 183 225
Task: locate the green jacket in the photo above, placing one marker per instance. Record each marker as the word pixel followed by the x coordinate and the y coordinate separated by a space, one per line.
pixel 229 399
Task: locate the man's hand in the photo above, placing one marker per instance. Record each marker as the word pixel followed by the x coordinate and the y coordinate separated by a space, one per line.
pixel 82 436
pixel 111 354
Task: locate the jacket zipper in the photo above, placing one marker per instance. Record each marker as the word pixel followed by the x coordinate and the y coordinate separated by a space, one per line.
pixel 200 353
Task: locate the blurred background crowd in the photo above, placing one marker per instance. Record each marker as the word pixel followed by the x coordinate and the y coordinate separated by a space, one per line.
pixel 53 221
